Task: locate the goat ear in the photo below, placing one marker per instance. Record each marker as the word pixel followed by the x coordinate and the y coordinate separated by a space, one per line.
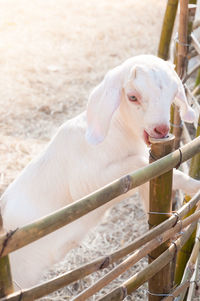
pixel 103 102
pixel 186 112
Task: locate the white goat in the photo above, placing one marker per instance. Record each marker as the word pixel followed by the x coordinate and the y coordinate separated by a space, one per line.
pixel 106 142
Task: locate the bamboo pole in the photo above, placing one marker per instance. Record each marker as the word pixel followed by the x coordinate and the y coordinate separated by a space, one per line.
pixel 141 277
pixel 160 201
pixel 167 29
pixel 189 270
pixel 177 291
pixel 132 259
pixel 67 278
pixel 6 286
pixel 186 280
pixel 41 227
pixel 193 98
pixel 186 135
pixel 184 254
pixel 190 72
pixel 182 38
pixel 193 283
pixel 195 43
pixel 195 164
pixel 181 66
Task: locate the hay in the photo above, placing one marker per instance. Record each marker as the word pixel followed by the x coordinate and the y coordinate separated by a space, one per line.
pixel 53 52
pixel 119 227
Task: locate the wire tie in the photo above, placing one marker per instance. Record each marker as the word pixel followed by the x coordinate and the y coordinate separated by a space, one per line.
pixel 176 39
pixel 197 237
pixel 176 214
pixel 196 284
pixel 150 224
pixel 180 160
pixel 151 257
pixel 176 249
pixel 8 236
pixel 180 125
pixel 152 156
pixel 170 213
pixel 20 296
pixel 159 295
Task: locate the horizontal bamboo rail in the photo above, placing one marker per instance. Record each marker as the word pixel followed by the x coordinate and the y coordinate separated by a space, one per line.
pixel 178 290
pixel 194 281
pixel 138 255
pixel 185 135
pixel 33 231
pixel 191 71
pixel 141 277
pixel 195 43
pixel 189 270
pixel 100 263
pixel 193 99
pixel 6 286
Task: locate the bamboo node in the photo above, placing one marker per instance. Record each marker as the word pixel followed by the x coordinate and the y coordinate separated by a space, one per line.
pixel 198 238
pixel 126 183
pixel 20 296
pixel 124 289
pixel 180 160
pixel 105 263
pixel 159 294
pixel 176 248
pixel 8 236
pixel 176 214
pixel 151 257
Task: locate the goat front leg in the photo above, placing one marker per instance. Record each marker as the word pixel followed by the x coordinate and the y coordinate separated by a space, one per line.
pixel 181 181
pixel 184 182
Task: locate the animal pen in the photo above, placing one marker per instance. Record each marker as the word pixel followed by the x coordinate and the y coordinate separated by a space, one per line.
pixel 171 274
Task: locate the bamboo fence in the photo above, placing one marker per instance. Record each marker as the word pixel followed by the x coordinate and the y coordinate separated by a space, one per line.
pixel 184 254
pixel 152 239
pixel 21 236
pixel 139 278
pixel 156 241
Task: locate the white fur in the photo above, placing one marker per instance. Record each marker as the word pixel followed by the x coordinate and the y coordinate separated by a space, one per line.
pixel 89 151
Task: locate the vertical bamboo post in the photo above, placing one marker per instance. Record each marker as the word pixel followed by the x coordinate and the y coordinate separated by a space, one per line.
pixel 160 201
pixel 184 253
pixel 181 65
pixel 182 38
pixel 6 286
pixel 167 29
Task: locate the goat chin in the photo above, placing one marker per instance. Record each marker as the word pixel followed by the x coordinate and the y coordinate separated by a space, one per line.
pixel 89 151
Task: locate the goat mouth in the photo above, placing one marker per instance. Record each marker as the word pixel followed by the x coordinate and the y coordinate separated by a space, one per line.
pixel 146 138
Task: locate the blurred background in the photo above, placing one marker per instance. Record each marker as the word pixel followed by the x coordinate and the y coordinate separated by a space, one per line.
pixel 52 53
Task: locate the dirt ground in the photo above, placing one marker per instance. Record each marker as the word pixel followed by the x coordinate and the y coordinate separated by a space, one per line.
pixel 52 53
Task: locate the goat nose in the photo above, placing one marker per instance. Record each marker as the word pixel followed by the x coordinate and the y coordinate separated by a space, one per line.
pixel 162 130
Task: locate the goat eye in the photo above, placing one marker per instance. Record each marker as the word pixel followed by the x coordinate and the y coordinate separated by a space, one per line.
pixel 132 98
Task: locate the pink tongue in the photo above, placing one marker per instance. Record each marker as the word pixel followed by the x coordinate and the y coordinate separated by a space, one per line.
pixel 146 138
